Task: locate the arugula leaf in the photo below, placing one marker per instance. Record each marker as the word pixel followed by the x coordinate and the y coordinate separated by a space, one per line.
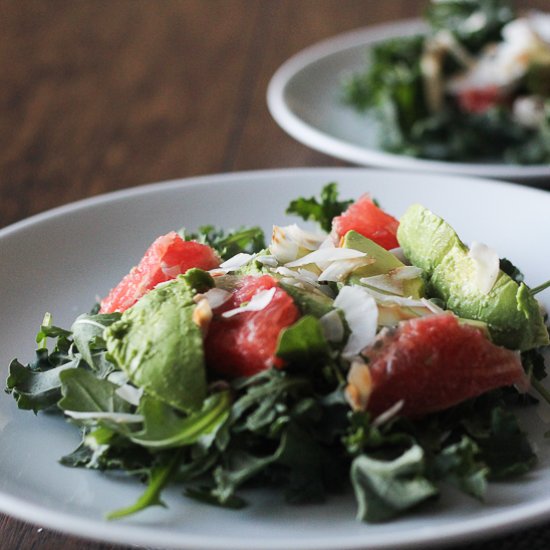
pixel 323 210
pixel 239 467
pixel 159 477
pixel 228 243
pixel 264 400
pixel 386 488
pixel 540 288
pixel 165 428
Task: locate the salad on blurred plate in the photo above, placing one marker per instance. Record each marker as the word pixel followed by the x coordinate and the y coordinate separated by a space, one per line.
pixel 474 87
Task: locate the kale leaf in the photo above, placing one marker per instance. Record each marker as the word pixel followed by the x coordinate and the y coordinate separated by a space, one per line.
pixel 457 16
pixel 228 243
pixel 321 211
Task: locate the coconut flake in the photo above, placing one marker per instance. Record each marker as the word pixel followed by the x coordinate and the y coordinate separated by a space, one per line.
pixel 332 326
pixel 361 314
pixel 487 266
pixel 432 307
pixel 267 260
pixel 259 301
pixel 388 414
pixel 118 377
pixel 291 242
pixel 400 255
pixel 325 256
pixel 236 261
pixel 303 275
pixel 340 270
pixel 171 271
pixel 217 297
pixel 384 283
pixel 406 273
pixel 389 299
pixel 529 111
pixel 331 240
pixel 119 418
pixel 393 280
pixel 130 394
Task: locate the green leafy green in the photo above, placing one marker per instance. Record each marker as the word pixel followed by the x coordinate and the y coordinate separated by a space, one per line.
pixel 303 341
pixel 457 16
pixel 87 332
pixel 36 389
pixel 138 387
pixel 160 475
pixel 387 488
pixel 229 243
pixel 165 428
pixel 505 448
pixel 394 88
pixel 84 392
pixel 321 211
pixel 460 465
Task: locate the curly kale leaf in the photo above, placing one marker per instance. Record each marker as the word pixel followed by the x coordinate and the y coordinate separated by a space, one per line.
pixel 459 16
pixel 321 211
pixel 228 243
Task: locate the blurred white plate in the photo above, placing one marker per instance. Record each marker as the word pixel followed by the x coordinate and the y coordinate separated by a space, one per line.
pixel 59 261
pixel 305 99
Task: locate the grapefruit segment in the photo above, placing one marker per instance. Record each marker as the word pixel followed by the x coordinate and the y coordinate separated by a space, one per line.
pixel 430 364
pixel 364 217
pixel 168 257
pixel 245 344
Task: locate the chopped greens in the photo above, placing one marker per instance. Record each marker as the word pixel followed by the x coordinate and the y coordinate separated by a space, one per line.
pixel 449 94
pixel 228 243
pixel 321 211
pixel 153 402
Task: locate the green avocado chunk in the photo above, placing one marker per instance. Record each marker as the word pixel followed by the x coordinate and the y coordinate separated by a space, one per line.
pixel 309 300
pixel 159 346
pixel 384 263
pixel 510 311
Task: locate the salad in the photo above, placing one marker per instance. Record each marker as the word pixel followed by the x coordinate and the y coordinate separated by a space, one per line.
pixel 375 355
pixel 475 85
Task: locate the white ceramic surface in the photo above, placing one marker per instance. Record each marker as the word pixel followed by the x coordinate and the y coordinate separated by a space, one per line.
pixel 61 260
pixel 305 99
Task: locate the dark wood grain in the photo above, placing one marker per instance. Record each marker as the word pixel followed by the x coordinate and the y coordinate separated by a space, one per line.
pixel 106 94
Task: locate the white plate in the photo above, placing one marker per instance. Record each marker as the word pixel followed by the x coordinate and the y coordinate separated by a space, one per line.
pixel 61 260
pixel 305 99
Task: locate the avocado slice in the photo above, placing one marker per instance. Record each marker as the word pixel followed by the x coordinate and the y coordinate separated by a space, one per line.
pixel 159 346
pixel 308 299
pixel 537 79
pixel 510 311
pixel 384 263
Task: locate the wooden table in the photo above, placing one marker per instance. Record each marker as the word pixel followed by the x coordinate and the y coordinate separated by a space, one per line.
pixel 100 95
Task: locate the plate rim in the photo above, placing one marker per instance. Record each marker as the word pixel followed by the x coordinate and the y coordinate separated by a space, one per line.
pixel 499 522
pixel 319 140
